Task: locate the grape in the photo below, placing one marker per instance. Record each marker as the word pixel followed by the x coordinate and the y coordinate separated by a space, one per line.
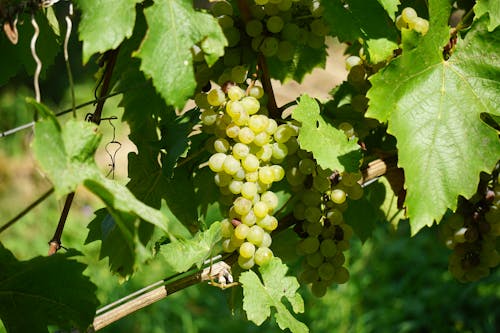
pixel 400 23
pixel 216 97
pixel 248 190
pixel 242 205
pixel 260 209
pixel 247 250
pixel 266 175
pixel 225 21
pixel 255 235
pixel 290 31
pixel 420 25
pixel 222 8
pixel 235 93
pixel 246 135
pixel 232 130
pixel 269 46
pixel 246 263
pixel 268 223
pixel 265 153
pixel 338 196
pixel 249 219
pixel 266 240
pixel 270 199
pixel 250 163
pixel 239 74
pixel 256 92
pixel 326 271
pixel 310 245
pixel 251 104
pixel 315 260
pixel 409 15
pixel 263 255
pixel 231 165
pixel 278 172
pixel 319 28
pixel 254 28
pixel 328 248
pixel 216 162
pixel 319 289
pixel 341 275
pixel 274 24
pixel 221 145
pixel 232 35
pixel 240 150
pixel 258 123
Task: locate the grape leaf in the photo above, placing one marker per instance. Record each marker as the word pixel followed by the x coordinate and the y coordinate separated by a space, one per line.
pixel 492 7
pixel 433 108
pixel 380 49
pixel 181 255
pixel 351 19
pixel 174 27
pixel 259 296
pixel 305 60
pixel 390 6
pixel 207 194
pixel 105 24
pixel 329 146
pixel 45 291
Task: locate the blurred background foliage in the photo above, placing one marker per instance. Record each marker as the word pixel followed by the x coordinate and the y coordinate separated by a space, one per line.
pixel 398 283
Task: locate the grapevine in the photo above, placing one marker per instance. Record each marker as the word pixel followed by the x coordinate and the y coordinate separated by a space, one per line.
pixel 228 185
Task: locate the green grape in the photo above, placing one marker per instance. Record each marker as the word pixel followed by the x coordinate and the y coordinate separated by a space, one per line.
pixel 251 104
pixel 319 289
pixel 235 186
pixel 242 205
pixel 222 179
pixel 247 250
pixel 256 92
pixel 249 219
pixel 341 275
pixel 400 23
pixel 216 162
pixel 355 192
pixel 258 123
pixel 245 263
pixel 409 15
pixel 274 24
pixel 269 46
pixel 232 35
pixel 263 255
pixel 299 211
pixel 222 8
pixel 311 198
pixel 254 28
pixel 240 150
pixel 235 93
pixel 319 28
pixel 314 260
pixel 241 231
pixel 257 42
pixel 326 271
pixel 420 25
pixel 208 117
pixel 216 97
pixel 226 228
pixel 227 246
pixel 321 184
pixel 359 103
pixel 268 223
pixel 246 135
pixel 252 176
pixel 352 61
pixel 240 174
pixel 260 209
pixel 271 9
pixel 221 145
pixel 316 9
pixel 250 163
pixel 266 240
pixel 337 260
pixel 271 200
pixel 261 2
pixel 309 245
pixel 280 151
pixel 266 175
pixel 309 275
pixel 290 32
pixel 335 216
pixel 239 74
pixel 328 248
pixel 225 21
pixel 248 190
pixel 231 165
pixel 278 172
pixel 294 176
pixel 255 235
pixel 313 214
pixel 313 228
pixel 283 133
pixel 261 139
pixel 265 153
pixel 338 196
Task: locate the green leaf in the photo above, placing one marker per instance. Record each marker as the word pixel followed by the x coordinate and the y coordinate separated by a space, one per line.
pixel 207 194
pixel 492 7
pixel 433 108
pixel 351 19
pixel 306 59
pixel 66 154
pixel 329 146
pixel 390 6
pixel 45 291
pixel 181 255
pixel 260 296
pixel 174 27
pixel 380 49
pixel 105 24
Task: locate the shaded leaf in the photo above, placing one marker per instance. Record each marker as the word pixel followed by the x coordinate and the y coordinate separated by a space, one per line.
pixel 45 291
pixel 492 7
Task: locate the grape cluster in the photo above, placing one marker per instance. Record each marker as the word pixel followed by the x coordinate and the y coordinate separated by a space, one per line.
pixel 274 33
pixel 247 150
pixel 409 19
pixel 325 235
pixel 472 233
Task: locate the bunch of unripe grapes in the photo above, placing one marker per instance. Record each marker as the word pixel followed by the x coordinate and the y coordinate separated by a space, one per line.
pixel 472 232
pixel 248 148
pixel 319 210
pixel 409 19
pixel 279 27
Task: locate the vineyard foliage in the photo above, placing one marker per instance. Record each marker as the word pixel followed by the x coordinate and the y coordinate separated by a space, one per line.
pixel 421 90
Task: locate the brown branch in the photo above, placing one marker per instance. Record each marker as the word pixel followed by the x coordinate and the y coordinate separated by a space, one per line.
pixel 55 242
